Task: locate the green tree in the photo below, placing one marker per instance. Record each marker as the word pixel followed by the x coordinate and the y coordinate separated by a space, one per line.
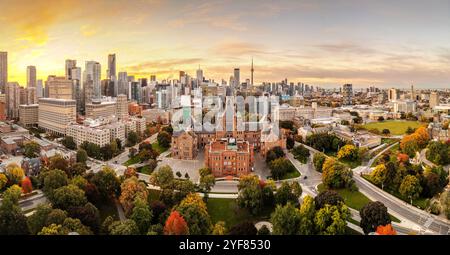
pixel 280 167
pixel 207 181
pixel 12 219
pixel 332 219
pixel 195 212
pixel 38 219
pixel 286 220
pixel 69 143
pixel 107 152
pixel 301 153
pixel 53 179
pixel 373 214
pixel 410 188
pixel 327 197
pixel 58 162
pixel 250 194
pixel 274 153
pixel 71 225
pixel 56 216
pixel 336 175
pixel 31 149
pixel 285 194
pixel 82 156
pixel 142 215
pixel 88 214
pixel 68 196
pixel 164 139
pixel 127 227
pixel 438 153
pixel 163 177
pixel 106 182
pixel 132 138
pixel 318 160
pixel 307 213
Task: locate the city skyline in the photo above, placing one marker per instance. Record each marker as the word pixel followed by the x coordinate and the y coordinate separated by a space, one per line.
pixel 381 44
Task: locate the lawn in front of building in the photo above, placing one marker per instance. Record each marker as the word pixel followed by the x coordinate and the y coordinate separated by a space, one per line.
pixel 396 127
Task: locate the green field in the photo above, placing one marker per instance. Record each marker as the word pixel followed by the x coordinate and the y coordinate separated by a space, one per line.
pixel 225 209
pixel 132 161
pixel 395 127
pixel 158 148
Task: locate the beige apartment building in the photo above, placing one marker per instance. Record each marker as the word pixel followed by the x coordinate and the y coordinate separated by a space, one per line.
pixel 59 87
pixel 80 133
pixel 28 115
pixel 122 106
pixel 54 115
pixel 135 124
pixel 101 109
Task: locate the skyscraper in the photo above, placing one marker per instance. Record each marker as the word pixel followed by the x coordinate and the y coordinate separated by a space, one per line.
pixel 92 85
pixel 122 83
pixel 59 87
pixel 39 89
pixel 252 70
pixel 413 93
pixel 31 76
pixel 434 99
pixel 70 64
pixel 12 103
pixel 3 71
pixel 111 67
pixel 237 77
pixel 199 75
pixel 393 95
pixel 347 91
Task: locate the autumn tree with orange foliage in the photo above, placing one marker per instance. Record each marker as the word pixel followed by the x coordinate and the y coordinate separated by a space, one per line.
pixel 176 225
pixel 402 158
pixel 27 187
pixel 131 189
pixel 386 230
pixel 415 141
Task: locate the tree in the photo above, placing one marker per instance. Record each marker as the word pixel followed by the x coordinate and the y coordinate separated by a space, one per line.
pixel 176 225
pixel 67 197
pixel 82 156
pixel 88 214
pixel 92 149
pixel 373 214
pixel 14 173
pixel 335 175
pixel 332 219
pixel 307 213
pixel 69 143
pixel 132 138
pixel 56 216
pixel 410 187
pixel 286 195
pixel 348 152
pixel 114 147
pixel 132 152
pixel 386 131
pixel 71 225
pixel 301 153
pixel 431 185
pixel 31 149
pixel 58 162
pixel 164 139
pixel 104 229
pixel 219 228
pixel 52 229
pixel 415 141
pixel 379 175
pixel 53 179
pixel 318 160
pixel 386 230
pixel 445 203
pixel 126 227
pixel 207 181
pixel 142 215
pixel 132 189
pixel 286 220
pixel 327 197
pixel 76 169
pixel 26 185
pixel 290 142
pixel 243 228
pixel 3 181
pixel 438 153
pixel 37 220
pixel 280 167
pixel 195 212
pixel 107 152
pixel 274 153
pixel 12 219
pixel 106 182
pixel 250 194
pixel 163 177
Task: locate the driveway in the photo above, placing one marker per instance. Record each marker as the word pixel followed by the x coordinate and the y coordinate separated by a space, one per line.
pixel 184 166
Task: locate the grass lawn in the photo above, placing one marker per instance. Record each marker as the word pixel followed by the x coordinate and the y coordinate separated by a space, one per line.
pixel 290 175
pixel 353 199
pixel 225 209
pixel 132 161
pixel 394 126
pixel 144 170
pixel 350 163
pixel 158 148
pixel 107 208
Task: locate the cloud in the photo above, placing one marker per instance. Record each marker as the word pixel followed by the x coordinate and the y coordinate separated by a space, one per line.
pixel 345 47
pixel 88 30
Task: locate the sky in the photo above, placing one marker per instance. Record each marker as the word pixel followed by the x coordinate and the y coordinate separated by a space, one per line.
pixel 325 43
